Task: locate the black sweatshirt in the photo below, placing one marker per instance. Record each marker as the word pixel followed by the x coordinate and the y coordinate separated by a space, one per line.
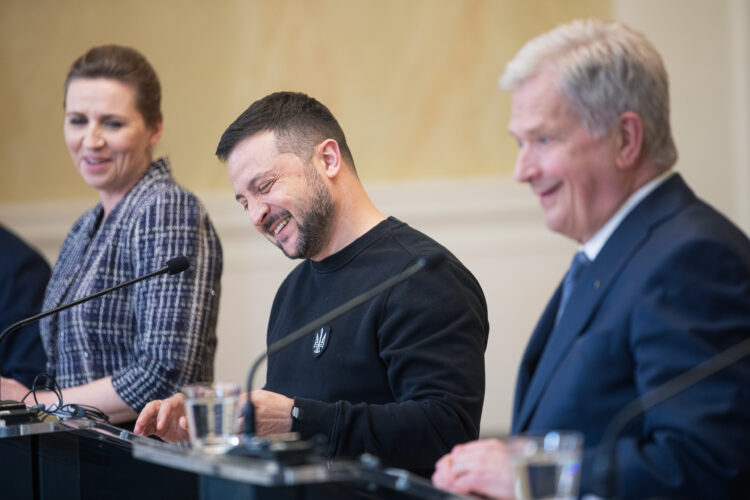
pixel 400 376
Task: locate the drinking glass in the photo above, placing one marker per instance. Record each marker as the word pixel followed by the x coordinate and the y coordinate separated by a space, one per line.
pixel 212 411
pixel 547 465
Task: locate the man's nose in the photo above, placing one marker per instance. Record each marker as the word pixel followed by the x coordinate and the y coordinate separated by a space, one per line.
pixel 258 211
pixel 526 167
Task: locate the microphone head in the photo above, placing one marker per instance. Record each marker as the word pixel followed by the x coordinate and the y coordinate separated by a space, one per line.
pixel 432 260
pixel 176 265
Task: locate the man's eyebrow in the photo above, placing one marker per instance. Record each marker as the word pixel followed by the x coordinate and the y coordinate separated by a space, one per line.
pixel 251 185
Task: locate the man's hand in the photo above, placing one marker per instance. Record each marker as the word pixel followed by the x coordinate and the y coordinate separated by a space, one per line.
pixel 12 389
pixel 273 412
pixel 164 418
pixel 479 468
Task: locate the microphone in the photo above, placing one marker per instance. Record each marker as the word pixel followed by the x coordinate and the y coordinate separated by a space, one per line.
pixel 430 262
pixel 605 465
pixel 174 265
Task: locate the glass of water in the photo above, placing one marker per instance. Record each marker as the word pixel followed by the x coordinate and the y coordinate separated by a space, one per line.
pixel 212 410
pixel 547 465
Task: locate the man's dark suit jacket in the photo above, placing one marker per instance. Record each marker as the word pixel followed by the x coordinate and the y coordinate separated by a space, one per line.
pixel 23 278
pixel 669 289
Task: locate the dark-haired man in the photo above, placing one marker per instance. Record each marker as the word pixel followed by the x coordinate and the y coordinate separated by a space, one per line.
pixel 401 376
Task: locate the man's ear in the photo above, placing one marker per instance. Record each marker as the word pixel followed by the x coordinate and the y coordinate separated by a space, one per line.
pixel 629 131
pixel 329 158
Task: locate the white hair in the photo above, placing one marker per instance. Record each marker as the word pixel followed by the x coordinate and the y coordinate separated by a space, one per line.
pixel 604 69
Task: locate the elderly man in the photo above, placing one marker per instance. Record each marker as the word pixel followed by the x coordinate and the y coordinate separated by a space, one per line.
pixel 661 282
pixel 401 376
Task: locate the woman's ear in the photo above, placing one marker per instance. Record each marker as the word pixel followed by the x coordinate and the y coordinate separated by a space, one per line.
pixel 156 130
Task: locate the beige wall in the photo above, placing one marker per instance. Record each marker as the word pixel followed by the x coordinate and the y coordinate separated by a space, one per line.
pixel 412 82
pixel 706 50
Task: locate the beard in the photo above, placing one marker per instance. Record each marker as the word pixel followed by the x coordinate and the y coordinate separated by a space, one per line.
pixel 314 221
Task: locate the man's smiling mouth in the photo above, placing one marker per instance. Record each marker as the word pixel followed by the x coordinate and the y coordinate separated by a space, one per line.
pixel 281 225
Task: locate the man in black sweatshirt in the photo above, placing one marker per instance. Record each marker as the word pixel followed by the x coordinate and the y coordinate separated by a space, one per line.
pixel 400 376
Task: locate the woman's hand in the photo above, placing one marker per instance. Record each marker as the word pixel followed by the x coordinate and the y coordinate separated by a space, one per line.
pixel 12 389
pixel 164 418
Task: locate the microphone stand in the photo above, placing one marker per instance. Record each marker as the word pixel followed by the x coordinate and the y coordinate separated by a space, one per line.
pixel 173 266
pixel 255 447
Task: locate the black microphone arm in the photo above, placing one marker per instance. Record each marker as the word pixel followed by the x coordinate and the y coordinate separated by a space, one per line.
pixel 430 261
pixel 604 467
pixel 174 265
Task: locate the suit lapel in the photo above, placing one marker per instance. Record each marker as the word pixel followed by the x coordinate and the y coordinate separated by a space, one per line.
pixel 534 351
pixel 87 247
pixel 69 268
pixel 593 285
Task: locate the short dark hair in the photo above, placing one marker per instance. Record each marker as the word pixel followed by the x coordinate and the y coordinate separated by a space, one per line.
pixel 298 121
pixel 126 65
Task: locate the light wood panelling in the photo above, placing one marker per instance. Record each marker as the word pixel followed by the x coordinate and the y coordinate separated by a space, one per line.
pixel 413 83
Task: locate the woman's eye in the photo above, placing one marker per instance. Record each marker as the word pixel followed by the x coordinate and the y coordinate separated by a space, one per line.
pixel 77 120
pixel 113 124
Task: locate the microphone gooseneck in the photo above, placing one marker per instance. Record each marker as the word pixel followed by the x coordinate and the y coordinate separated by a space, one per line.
pixel 174 265
pixel 605 465
pixel 430 261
